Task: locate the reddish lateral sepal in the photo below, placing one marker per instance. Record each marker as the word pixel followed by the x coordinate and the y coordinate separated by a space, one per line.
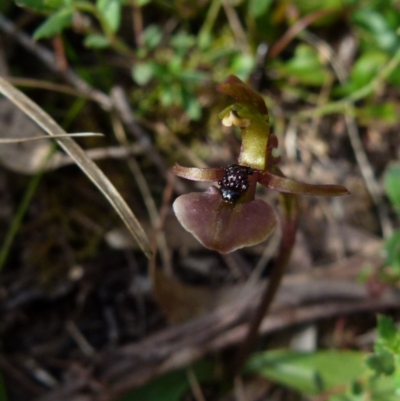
pixel 199 174
pixel 289 186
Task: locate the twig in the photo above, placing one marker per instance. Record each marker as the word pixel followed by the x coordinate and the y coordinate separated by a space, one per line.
pixel 190 352
pixel 5 141
pixel 62 63
pixel 209 21
pixel 80 339
pixel 20 378
pixel 178 346
pixel 118 101
pixel 295 29
pixel 113 152
pixel 239 389
pixel 162 129
pixel 124 111
pixel 268 252
pixel 146 194
pixel 47 85
pixel 123 108
pixel 194 385
pixel 137 18
pixel 236 27
pixel 91 170
pixel 48 58
pixel 351 125
pixel 36 371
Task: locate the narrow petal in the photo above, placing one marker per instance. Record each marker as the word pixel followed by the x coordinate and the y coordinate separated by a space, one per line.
pixel 198 174
pixel 287 185
pixel 222 226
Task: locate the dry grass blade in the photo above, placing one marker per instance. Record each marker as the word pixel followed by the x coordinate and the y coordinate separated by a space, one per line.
pixel 17 140
pixel 78 155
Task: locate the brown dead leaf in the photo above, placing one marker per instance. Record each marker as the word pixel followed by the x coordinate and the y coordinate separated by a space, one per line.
pixel 182 302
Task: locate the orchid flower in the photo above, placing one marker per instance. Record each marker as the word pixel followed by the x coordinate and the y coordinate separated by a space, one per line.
pixel 229 217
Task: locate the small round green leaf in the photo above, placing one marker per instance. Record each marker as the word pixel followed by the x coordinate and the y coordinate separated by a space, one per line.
pixel 392 249
pixel 257 8
pixel 54 25
pixel 142 73
pixel 152 36
pixel 96 41
pixel 111 12
pixel 382 363
pixel 392 185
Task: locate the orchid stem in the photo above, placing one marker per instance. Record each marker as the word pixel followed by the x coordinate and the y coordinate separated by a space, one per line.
pixel 289 218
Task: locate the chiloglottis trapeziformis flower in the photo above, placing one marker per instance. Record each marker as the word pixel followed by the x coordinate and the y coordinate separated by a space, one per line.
pixel 229 217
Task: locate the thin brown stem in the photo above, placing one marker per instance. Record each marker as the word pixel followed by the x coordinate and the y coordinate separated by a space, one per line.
pixel 294 30
pixel 289 227
pixel 48 58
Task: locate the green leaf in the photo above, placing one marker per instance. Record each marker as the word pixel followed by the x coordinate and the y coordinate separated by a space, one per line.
pixel 305 67
pixel 383 388
pixel 387 347
pixel 191 105
pixel 111 12
pixel 54 25
pixel 182 42
pixel 170 387
pixel 142 73
pixel 192 76
pixel 242 65
pixel 174 66
pixel 386 112
pixel 394 77
pixel 152 36
pixel 170 95
pixel 387 331
pixel 258 8
pixel 392 250
pixel 364 69
pixel 42 5
pixel 142 3
pixel 96 41
pixel 377 28
pixel 392 185
pixel 388 335
pixel 309 373
pixel 382 363
pixel 378 389
pixel 309 6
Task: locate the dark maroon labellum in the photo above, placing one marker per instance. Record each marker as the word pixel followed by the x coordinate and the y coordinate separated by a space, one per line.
pixel 235 182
